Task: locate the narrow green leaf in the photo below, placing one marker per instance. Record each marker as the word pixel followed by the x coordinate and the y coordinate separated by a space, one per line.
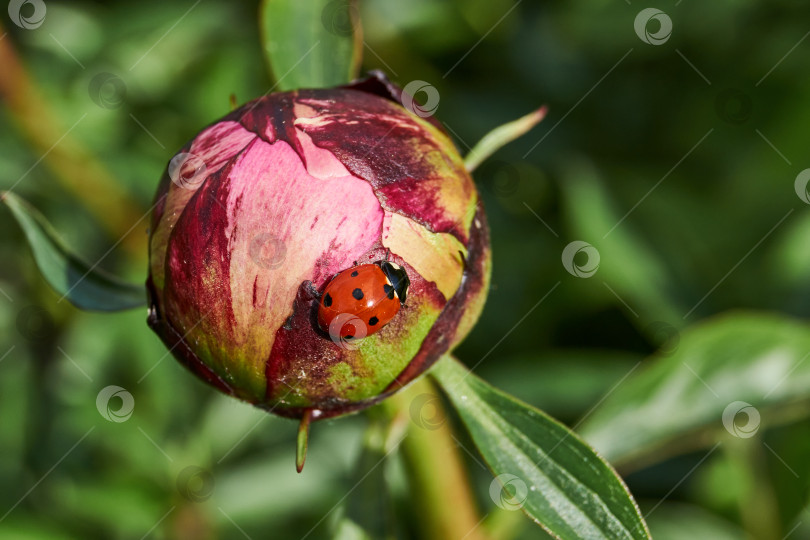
pixel 312 43
pixel 545 469
pixel 302 441
pixel 501 136
pixel 720 368
pixel 84 286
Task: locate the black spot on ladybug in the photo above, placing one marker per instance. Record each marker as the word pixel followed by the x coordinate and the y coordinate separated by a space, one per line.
pixel 372 321
pixel 327 300
pixel 358 294
pixel 354 274
pixel 389 290
pixel 349 337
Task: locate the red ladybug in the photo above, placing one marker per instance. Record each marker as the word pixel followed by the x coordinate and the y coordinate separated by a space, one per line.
pixel 360 300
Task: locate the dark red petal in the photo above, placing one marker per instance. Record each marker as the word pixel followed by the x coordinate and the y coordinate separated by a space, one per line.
pixel 379 84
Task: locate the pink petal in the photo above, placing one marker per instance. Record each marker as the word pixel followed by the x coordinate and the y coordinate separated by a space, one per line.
pixel 208 152
pixel 241 249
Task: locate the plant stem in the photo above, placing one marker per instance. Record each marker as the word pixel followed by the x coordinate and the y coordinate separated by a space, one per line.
pixel 72 164
pixel 757 502
pixel 504 524
pixel 439 484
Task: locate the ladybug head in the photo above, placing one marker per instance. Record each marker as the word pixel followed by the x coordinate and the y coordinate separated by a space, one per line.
pixel 398 278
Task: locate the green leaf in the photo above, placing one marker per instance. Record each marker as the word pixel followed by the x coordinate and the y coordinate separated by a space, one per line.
pixel 501 136
pixel 558 480
pixel 756 358
pixel 84 286
pixel 628 264
pixel 313 43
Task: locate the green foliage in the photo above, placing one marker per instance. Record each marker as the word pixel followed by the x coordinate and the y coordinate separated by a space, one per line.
pixel 541 466
pixel 753 359
pixel 313 44
pixel 85 286
pixel 698 241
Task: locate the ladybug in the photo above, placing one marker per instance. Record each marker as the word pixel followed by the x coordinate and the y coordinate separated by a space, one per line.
pixel 372 293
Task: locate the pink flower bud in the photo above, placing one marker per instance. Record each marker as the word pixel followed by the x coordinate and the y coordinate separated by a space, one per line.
pixel 258 213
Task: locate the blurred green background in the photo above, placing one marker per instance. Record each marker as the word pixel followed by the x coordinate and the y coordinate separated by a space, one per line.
pixel 696 141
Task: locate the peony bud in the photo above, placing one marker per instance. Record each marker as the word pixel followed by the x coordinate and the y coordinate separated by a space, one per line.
pixel 259 212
